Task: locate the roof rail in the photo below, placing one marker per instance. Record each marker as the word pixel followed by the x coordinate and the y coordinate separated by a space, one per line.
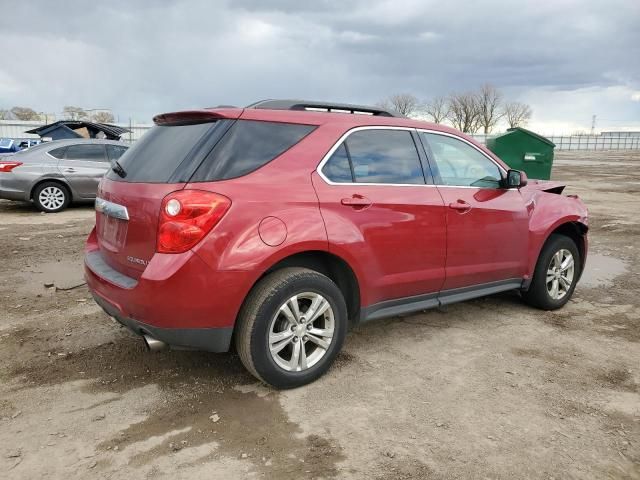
pixel 308 105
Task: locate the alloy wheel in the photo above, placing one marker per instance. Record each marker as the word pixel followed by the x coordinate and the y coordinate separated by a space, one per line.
pixel 301 331
pixel 560 273
pixel 52 197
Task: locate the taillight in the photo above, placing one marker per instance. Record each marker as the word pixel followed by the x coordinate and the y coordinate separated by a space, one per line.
pixel 186 217
pixel 8 166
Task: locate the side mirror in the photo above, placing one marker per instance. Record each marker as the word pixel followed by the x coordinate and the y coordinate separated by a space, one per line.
pixel 515 179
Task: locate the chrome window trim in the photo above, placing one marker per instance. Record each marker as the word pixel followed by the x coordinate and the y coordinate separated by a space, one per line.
pixel 344 136
pixel 332 150
pixel 111 209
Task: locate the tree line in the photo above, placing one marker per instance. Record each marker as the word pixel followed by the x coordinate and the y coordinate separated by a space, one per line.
pixel 469 112
pixel 68 113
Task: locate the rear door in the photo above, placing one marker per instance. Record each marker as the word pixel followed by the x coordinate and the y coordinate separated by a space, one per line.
pixel 487 225
pixel 381 214
pixel 83 166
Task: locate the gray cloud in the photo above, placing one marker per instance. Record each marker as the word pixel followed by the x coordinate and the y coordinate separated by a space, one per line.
pixel 140 58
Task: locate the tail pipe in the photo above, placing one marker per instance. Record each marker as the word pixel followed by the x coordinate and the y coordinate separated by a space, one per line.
pixel 153 345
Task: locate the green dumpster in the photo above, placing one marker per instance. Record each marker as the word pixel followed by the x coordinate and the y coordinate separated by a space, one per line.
pixel 523 149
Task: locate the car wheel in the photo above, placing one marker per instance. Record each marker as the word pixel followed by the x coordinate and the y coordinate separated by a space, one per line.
pixel 291 327
pixel 51 197
pixel 556 274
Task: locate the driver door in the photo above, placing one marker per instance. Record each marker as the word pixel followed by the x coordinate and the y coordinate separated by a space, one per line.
pixel 487 225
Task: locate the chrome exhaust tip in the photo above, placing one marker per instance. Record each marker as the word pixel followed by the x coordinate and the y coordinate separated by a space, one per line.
pixel 152 344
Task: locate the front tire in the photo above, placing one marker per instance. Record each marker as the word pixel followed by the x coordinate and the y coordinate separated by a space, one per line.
pixel 556 274
pixel 51 197
pixel 291 327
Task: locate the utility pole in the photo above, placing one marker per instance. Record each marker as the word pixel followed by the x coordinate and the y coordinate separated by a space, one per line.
pixel 593 125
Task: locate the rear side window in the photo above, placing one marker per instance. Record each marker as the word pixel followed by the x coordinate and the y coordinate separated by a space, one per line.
pixel 114 152
pixel 247 146
pixel 92 153
pixel 58 152
pixel 376 156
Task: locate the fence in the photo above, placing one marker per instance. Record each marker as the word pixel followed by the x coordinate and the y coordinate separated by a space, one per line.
pixel 607 141
pixel 586 142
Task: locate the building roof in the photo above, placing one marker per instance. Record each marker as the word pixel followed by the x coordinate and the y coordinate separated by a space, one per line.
pixel 113 132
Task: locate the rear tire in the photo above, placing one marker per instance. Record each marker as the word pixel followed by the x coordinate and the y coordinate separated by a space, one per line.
pixel 555 275
pixel 51 197
pixel 291 327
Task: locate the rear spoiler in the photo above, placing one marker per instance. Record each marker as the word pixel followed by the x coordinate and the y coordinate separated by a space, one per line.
pixel 191 117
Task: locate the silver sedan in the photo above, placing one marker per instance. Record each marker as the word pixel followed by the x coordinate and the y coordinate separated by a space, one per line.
pixel 53 174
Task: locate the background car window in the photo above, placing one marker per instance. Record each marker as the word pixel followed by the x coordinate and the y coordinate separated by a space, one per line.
pixel 337 168
pixel 57 152
pixel 93 153
pixel 114 152
pixel 459 164
pixel 384 156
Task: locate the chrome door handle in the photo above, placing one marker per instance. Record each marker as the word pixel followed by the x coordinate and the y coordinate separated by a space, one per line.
pixel 70 170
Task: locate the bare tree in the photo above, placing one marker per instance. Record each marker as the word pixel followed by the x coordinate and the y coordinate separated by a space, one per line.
pixel 102 117
pixel 74 113
pixel 517 114
pixel 464 112
pixel 5 115
pixel 489 106
pixel 25 113
pixel 437 108
pixel 403 103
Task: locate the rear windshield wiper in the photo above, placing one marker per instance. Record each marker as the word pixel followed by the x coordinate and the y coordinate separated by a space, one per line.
pixel 116 167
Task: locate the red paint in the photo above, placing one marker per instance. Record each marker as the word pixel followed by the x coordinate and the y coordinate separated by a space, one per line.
pixel 399 240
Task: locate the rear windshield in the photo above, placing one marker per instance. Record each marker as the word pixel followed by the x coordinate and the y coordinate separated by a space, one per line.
pixel 207 151
pixel 156 156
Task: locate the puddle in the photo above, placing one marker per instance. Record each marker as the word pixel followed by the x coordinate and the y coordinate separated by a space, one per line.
pixel 64 275
pixel 601 270
pixel 211 408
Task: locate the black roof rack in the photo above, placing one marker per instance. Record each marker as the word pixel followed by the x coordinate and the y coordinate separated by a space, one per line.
pixel 313 106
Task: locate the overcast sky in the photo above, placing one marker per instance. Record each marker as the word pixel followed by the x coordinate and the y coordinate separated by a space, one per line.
pixel 567 59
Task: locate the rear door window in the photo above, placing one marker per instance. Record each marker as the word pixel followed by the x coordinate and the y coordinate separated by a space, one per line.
pixel 58 152
pixel 376 156
pixel 88 152
pixel 247 146
pixel 338 168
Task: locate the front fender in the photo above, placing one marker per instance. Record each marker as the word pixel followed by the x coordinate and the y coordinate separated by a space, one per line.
pixel 549 212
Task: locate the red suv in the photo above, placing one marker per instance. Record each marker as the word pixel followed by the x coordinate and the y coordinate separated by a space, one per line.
pixel 279 226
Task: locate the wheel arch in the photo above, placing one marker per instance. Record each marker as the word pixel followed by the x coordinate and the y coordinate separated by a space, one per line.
pixel 57 180
pixel 572 228
pixel 329 264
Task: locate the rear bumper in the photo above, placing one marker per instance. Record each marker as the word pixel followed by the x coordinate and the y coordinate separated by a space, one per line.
pixel 207 339
pixel 13 188
pixel 178 299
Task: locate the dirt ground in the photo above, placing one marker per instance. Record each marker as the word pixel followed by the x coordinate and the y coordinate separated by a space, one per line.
pixel 485 389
